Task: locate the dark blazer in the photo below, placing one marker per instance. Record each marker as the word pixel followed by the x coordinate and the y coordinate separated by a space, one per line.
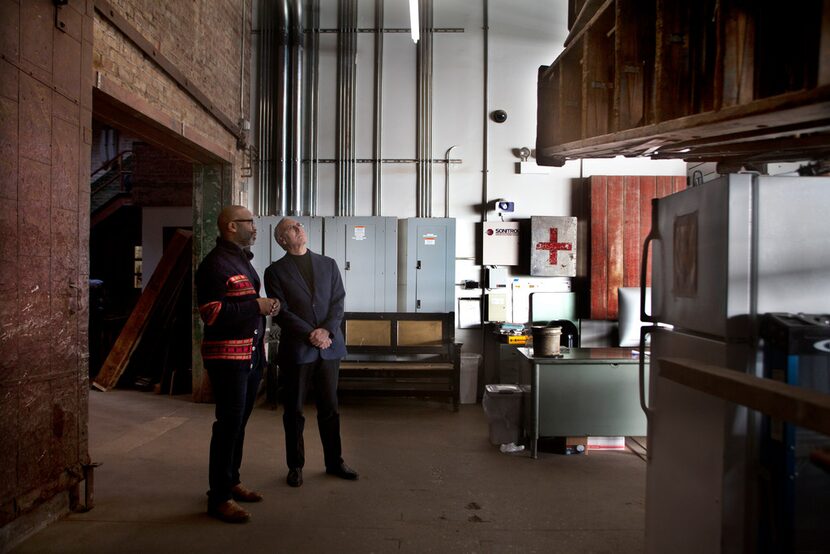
pixel 301 313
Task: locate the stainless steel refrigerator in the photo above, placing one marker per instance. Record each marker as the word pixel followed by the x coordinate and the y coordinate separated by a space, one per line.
pixel 723 253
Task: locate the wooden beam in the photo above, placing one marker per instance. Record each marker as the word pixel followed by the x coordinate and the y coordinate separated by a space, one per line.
pixel 804 407
pixel 586 17
pixel 124 110
pixel 790 110
pixel 172 268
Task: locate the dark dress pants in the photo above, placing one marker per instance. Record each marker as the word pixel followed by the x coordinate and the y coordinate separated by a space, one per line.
pixel 234 391
pixel 323 375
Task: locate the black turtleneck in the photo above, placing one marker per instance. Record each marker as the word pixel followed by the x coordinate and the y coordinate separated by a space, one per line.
pixel 303 263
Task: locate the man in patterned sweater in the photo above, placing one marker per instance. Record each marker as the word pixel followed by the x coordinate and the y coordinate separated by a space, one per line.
pixel 227 290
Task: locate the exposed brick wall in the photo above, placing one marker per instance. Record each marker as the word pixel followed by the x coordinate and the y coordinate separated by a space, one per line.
pixel 202 39
pixel 45 130
pixel 160 178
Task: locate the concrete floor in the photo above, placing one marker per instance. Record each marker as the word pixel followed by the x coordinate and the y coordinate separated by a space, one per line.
pixel 429 482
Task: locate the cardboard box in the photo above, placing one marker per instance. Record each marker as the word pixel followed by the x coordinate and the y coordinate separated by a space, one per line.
pixel 563 445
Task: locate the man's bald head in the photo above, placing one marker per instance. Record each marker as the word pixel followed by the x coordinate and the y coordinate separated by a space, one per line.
pixel 228 214
pixel 236 225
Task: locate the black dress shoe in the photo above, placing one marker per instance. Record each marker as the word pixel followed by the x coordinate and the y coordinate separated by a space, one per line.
pixel 295 477
pixel 343 471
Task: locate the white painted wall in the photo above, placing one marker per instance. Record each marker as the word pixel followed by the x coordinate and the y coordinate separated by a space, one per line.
pixel 523 34
pixel 153 222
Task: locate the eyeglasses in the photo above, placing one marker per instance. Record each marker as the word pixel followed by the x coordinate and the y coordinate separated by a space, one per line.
pixel 242 220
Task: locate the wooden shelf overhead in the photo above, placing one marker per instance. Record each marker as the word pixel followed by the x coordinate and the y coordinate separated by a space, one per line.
pixel 732 81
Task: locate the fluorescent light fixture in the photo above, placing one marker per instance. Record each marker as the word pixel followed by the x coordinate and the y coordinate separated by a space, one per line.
pixel 414 24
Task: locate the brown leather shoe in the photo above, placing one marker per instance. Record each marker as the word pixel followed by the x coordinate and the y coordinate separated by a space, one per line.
pixel 229 512
pixel 241 493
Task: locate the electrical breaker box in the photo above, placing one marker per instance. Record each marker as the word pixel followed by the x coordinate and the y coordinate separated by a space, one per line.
pixel 365 251
pixel 266 250
pixel 426 264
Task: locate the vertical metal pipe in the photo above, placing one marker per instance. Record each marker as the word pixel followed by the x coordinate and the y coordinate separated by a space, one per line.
pixel 242 31
pixel 267 97
pixel 346 55
pixel 424 112
pixel 447 181
pixel 283 174
pixel 485 143
pixel 256 100
pixel 312 70
pixel 428 70
pixel 264 107
pixel 352 105
pixel 295 134
pixel 377 185
pixel 419 177
pixel 338 171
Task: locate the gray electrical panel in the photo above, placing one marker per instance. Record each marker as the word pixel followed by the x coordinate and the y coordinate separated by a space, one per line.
pixel 266 250
pixel 426 264
pixel 365 251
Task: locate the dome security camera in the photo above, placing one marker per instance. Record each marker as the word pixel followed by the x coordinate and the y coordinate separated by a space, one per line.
pixel 499 116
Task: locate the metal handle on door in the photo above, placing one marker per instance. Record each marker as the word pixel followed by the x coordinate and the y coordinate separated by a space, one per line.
pixel 348 266
pixel 653 235
pixel 418 265
pixel 645 330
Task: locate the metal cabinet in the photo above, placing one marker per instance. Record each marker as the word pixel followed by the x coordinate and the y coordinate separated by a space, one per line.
pixel 365 251
pixel 426 264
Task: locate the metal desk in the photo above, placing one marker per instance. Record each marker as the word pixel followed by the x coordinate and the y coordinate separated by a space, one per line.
pixel 586 391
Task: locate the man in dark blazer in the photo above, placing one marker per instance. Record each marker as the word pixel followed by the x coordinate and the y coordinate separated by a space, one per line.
pixel 311 294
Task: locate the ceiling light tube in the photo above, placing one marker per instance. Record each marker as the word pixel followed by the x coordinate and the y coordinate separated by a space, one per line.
pixel 414 24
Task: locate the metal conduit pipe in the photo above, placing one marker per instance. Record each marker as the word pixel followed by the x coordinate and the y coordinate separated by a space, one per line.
pixel 267 96
pixel 282 98
pixel 352 104
pixel 350 36
pixel 256 58
pixel 338 171
pixel 311 96
pixel 242 33
pixel 485 145
pixel 429 44
pixel 344 146
pixel 377 185
pixel 419 111
pixel 424 112
pixel 263 105
pixel 346 53
pixel 296 84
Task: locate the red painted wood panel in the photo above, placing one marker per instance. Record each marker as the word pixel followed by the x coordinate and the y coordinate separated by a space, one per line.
pixel 620 222
pixel 631 231
pixel 599 250
pixel 664 185
pixel 615 242
pixel 648 190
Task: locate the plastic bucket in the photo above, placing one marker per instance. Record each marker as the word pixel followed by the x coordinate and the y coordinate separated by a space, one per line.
pixel 546 341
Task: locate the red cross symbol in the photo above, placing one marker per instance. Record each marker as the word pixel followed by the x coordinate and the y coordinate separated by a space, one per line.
pixel 553 245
